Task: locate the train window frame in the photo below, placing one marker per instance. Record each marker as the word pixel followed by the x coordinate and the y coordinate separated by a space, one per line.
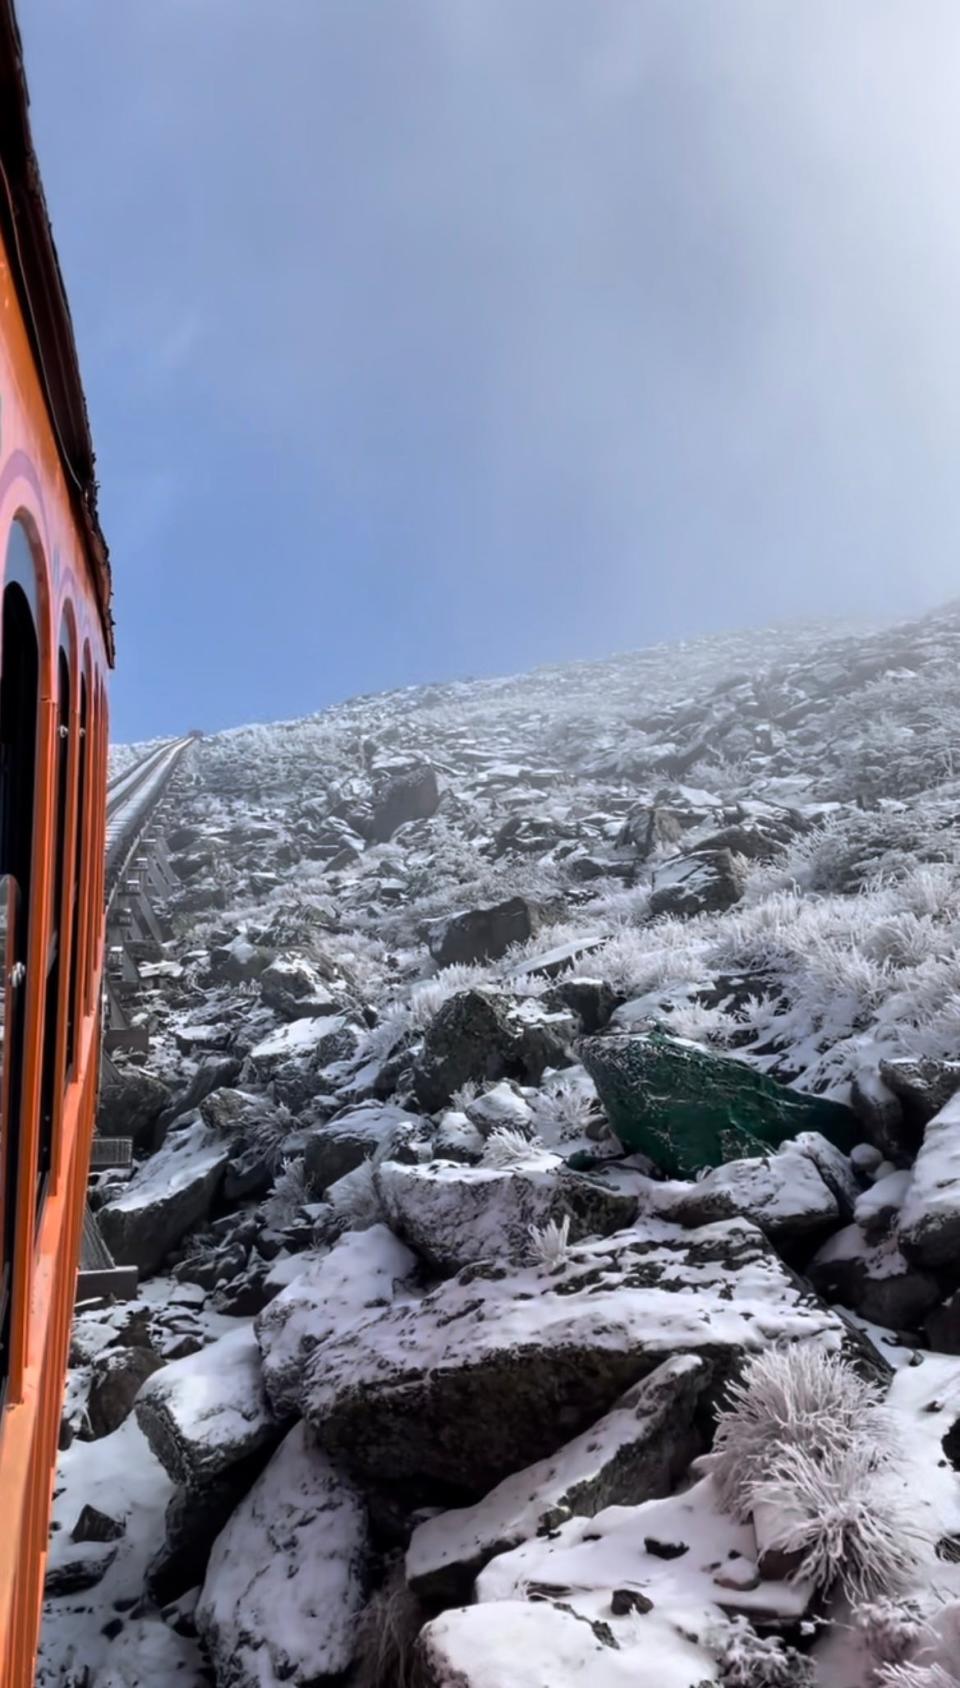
pixel 23 589
pixel 78 930
pixel 54 1077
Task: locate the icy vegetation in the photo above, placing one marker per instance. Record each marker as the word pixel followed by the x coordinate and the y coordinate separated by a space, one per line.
pixel 546 1193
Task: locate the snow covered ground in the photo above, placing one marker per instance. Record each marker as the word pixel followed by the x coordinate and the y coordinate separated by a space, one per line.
pixel 429 1361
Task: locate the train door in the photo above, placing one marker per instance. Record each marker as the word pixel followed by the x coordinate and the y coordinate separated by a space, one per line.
pixel 19 692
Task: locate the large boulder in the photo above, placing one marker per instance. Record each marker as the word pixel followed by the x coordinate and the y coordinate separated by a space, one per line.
pixel 208 1411
pixel 166 1197
pixel 453 1214
pixel 922 1086
pixel 116 1377
pixel 316 1041
pixel 483 934
pixel 469 1039
pixel 413 796
pixel 497 1367
pixel 637 1451
pixel 288 1576
pixel 930 1216
pixel 528 1643
pixel 874 1280
pixel 131 1103
pixel 193 1520
pixel 704 882
pixel 687 1109
pixel 333 1293
pixel 296 990
pixel 339 1145
pixel 239 961
pixel 783 1193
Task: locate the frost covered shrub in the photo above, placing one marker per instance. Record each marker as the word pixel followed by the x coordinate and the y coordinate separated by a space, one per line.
pixel 356 1199
pixel 838 1514
pixel 891 1631
pixel 749 1660
pixel 386 1633
pixel 288 1196
pixel 565 1108
pixel 505 1148
pixel 427 999
pixel 913 1675
pixel 795 1397
pixel 551 1242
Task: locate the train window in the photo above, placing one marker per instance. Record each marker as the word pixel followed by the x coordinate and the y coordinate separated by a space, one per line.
pixel 74 1002
pixel 11 999
pixel 19 691
pixel 50 1089
pixel 90 834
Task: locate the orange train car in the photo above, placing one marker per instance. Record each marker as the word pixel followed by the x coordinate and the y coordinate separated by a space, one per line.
pixel 56 646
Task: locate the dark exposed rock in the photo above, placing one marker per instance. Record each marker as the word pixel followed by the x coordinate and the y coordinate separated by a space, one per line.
pixel 942 1326
pixel 876 1282
pixel 633 1454
pixel 116 1378
pixel 335 1148
pixel 880 1112
pixel 470 1039
pixel 172 1192
pixel 131 1103
pixel 71 1570
pixel 484 934
pixel 496 1368
pixel 94 1525
pixel 702 882
pixel 923 1086
pixel 413 796
pixel 192 1522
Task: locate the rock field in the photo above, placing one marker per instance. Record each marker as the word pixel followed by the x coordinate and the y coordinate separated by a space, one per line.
pixel 533 1062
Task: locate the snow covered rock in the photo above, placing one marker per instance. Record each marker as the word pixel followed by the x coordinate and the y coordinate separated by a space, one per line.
pixel 469 1039
pixel 239 961
pixel 498 1367
pixel 783 1193
pixel 528 1644
pixel 880 1112
pixel 484 934
pixel 636 1452
pixel 501 1107
pixel 873 1279
pixel 296 990
pixel 208 1411
pixel 130 1105
pixel 923 1086
pixel 453 1214
pixel 930 1216
pixel 287 1577
pixel 334 1148
pixel 319 1040
pixel 116 1377
pixel 412 796
pixel 684 1559
pixel 167 1196
pixel 332 1294
pixel 706 881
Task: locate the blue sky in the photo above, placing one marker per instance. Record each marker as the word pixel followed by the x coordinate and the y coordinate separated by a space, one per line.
pixel 426 338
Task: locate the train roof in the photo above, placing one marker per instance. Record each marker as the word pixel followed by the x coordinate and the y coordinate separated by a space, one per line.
pixel 33 255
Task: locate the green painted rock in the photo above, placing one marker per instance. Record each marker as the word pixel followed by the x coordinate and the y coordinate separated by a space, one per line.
pixel 687 1109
